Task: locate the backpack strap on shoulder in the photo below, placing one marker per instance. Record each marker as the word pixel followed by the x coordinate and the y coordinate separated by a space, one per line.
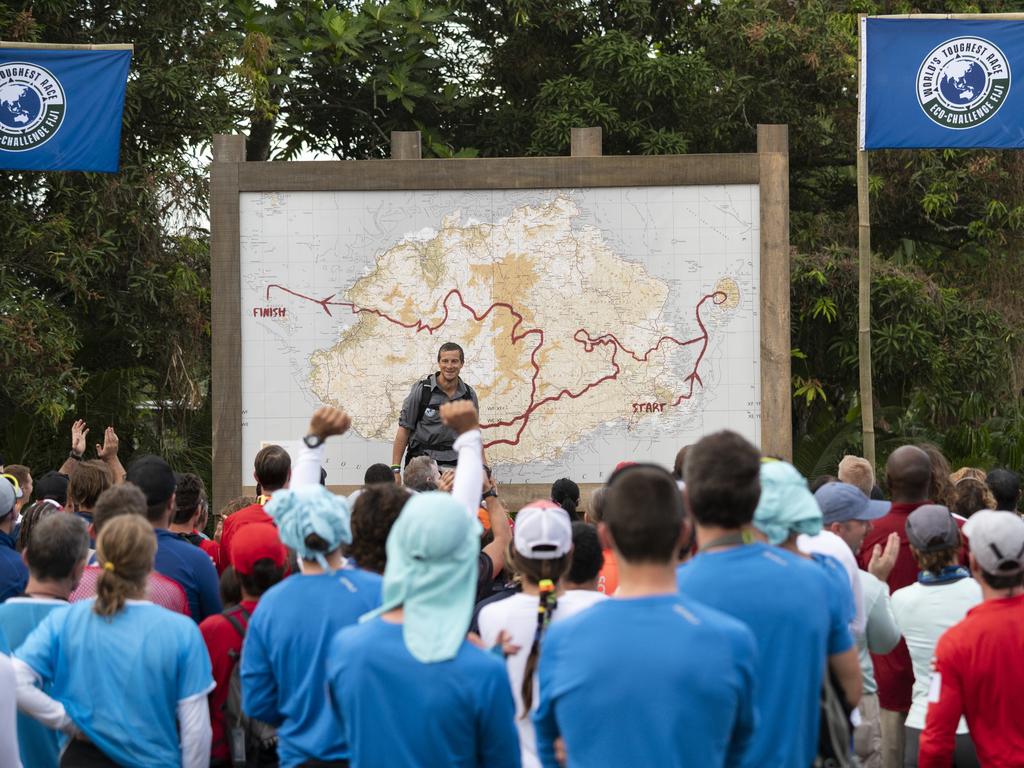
pixel 425 392
pixel 232 615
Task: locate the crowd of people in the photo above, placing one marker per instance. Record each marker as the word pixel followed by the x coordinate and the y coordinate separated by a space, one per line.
pixel 725 612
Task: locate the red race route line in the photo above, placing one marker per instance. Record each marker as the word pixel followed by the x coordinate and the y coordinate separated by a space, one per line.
pixel 581 336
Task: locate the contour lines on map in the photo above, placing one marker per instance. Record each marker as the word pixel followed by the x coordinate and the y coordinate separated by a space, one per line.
pixel 562 336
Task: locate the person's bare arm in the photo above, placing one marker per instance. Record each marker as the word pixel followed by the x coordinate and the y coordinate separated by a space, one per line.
pixel 398 450
pixel 846 667
pixel 78 434
pixel 108 453
pixel 500 528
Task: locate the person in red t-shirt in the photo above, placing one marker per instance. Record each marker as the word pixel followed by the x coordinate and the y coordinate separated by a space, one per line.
pixel 259 561
pixel 978 670
pixel 908 474
pixel 272 471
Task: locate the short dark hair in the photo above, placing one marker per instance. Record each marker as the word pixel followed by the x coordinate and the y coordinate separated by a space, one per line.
pixel 373 514
pixel 451 346
pixel 723 480
pixel 272 466
pixel 643 510
pixel 87 482
pixel 265 574
pixel 378 473
pixel 587 557
pixel 188 496
pixel 57 544
pixel 680 462
pixel 1004 484
pixel 123 499
pixel 1003 581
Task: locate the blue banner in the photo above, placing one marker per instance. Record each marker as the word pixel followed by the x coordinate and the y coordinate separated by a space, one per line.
pixel 935 82
pixel 60 110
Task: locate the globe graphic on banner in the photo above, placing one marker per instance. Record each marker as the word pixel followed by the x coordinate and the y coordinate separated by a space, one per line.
pixel 19 105
pixel 962 82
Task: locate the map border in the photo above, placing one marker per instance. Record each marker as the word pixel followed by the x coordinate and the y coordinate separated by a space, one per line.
pixel 231 175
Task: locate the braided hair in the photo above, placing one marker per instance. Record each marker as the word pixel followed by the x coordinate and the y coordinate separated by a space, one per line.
pixel 545 574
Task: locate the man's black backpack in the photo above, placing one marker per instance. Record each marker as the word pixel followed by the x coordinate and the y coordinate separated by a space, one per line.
pixel 415 449
pixel 253 742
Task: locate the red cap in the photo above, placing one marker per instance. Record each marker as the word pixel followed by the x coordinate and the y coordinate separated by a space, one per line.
pixel 256 541
pixel 624 464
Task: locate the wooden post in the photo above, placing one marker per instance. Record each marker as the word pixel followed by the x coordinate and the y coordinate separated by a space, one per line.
pixel 867 398
pixel 776 373
pixel 585 142
pixel 406 145
pixel 867 403
pixel 226 304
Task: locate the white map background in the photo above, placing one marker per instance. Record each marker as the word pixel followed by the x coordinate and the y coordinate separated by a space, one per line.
pixel 612 277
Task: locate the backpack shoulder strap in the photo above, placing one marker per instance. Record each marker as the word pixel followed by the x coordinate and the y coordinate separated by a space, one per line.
pixel 425 392
pixel 232 615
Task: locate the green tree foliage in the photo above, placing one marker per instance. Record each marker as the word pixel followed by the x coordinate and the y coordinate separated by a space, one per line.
pixel 104 283
pixel 104 286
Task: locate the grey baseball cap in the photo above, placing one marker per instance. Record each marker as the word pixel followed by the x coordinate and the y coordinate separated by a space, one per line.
pixel 997 541
pixel 931 527
pixel 841 502
pixel 7 497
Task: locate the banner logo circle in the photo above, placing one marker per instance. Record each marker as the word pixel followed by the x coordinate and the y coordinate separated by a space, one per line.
pixel 31 106
pixel 963 82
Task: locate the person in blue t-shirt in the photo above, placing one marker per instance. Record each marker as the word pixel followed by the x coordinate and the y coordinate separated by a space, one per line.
pixel 56 552
pixel 406 686
pixel 176 559
pixel 128 675
pixel 786 599
pixel 285 652
pixel 648 677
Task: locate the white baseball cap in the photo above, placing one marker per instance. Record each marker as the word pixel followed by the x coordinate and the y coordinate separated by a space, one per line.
pixel 997 541
pixel 543 531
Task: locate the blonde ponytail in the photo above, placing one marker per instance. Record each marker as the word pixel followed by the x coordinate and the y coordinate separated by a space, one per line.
pixel 125 550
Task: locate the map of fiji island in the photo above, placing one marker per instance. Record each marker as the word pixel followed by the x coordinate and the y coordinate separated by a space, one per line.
pixel 566 339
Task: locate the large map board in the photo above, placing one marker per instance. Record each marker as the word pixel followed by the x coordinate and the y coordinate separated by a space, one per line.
pixel 601 321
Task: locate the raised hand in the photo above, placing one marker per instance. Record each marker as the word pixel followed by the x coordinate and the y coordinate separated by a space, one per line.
pixel 447 481
pixel 460 416
pixel 110 445
pixel 328 421
pixel 883 560
pixel 78 434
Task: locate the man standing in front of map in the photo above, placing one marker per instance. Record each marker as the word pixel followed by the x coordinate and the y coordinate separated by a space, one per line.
pixel 419 425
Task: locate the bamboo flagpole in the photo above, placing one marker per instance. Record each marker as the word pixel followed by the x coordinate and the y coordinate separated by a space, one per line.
pixel 867 404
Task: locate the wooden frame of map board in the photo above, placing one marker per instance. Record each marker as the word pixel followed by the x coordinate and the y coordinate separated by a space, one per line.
pixel 231 175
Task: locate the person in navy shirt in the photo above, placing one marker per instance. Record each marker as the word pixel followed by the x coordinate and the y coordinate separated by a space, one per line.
pixel 648 677
pixel 406 685
pixel 176 559
pixel 13 572
pixel 786 600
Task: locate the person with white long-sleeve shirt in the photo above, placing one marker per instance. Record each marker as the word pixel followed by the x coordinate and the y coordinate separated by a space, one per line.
pixel 128 679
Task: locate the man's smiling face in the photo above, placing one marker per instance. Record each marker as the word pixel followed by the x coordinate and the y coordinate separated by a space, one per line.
pixel 450 363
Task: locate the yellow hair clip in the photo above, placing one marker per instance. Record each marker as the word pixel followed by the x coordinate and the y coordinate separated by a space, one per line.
pixel 108 566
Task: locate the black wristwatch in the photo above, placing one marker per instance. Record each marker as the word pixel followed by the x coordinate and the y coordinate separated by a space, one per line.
pixel 313 441
pixel 75 456
pixel 491 494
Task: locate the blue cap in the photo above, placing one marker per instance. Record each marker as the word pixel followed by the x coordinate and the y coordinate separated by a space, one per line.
pixel 841 502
